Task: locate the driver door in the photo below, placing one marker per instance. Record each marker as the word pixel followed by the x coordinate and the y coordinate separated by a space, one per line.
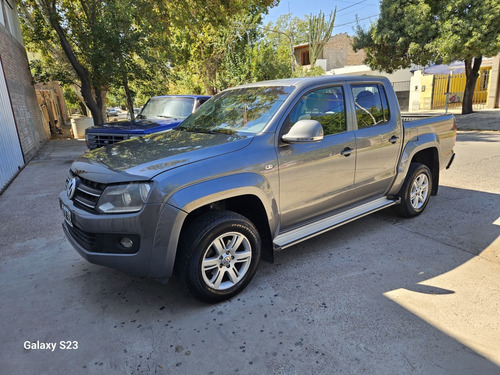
pixel 317 177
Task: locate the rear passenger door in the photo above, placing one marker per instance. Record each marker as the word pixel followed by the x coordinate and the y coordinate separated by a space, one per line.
pixel 317 177
pixel 378 141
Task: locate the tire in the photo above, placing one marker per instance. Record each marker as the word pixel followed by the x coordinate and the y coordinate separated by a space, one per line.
pixel 218 255
pixel 415 192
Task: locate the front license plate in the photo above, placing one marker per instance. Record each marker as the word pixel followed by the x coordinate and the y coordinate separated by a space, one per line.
pixel 67 215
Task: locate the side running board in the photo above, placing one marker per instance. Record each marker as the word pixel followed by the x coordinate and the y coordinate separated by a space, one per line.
pixel 305 232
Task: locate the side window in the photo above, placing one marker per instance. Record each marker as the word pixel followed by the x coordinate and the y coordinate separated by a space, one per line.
pixel 385 105
pixel 371 106
pixel 325 106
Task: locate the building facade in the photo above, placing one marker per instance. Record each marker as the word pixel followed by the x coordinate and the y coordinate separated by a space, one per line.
pixel 22 132
pixel 337 53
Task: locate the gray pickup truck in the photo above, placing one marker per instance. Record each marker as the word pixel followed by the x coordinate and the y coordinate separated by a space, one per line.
pixel 257 168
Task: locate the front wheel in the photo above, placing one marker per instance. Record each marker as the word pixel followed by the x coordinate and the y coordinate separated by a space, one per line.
pixel 415 192
pixel 218 255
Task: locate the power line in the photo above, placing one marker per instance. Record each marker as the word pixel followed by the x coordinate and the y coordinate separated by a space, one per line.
pixel 360 19
pixel 350 6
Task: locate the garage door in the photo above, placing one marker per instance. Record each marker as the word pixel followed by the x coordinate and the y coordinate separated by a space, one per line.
pixel 11 156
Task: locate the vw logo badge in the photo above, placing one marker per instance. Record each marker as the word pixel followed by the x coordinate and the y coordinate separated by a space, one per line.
pixel 71 188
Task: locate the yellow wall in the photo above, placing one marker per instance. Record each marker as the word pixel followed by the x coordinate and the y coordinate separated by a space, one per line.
pixel 426 83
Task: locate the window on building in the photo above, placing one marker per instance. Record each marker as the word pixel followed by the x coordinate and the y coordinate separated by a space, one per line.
pixel 371 105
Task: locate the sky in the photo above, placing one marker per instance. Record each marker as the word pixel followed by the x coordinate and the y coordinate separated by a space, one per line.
pixel 345 21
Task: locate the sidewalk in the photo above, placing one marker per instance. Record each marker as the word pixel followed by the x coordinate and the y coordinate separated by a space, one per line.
pixel 481 119
pixel 485 119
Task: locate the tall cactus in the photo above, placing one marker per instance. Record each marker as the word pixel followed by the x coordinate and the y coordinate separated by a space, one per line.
pixel 319 33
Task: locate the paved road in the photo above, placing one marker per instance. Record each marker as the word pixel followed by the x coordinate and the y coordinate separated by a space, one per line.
pixel 381 295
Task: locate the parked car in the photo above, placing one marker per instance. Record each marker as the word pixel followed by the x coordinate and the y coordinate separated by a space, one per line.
pixel 112 112
pixel 158 114
pixel 259 167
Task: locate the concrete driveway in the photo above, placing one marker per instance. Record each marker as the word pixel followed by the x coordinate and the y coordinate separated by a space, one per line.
pixel 382 295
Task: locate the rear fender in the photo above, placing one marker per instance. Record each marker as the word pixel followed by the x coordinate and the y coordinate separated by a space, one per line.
pixel 414 146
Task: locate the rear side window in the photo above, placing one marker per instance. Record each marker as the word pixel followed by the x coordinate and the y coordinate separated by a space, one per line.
pixel 371 105
pixel 325 106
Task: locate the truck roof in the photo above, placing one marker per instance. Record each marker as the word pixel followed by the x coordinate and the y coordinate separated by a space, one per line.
pixel 184 96
pixel 308 81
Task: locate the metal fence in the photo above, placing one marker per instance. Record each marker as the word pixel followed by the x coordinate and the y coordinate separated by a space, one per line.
pixel 448 90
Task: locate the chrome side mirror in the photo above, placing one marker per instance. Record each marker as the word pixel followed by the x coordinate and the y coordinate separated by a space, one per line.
pixel 304 131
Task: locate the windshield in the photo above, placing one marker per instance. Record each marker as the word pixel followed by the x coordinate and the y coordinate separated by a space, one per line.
pixel 167 107
pixel 246 110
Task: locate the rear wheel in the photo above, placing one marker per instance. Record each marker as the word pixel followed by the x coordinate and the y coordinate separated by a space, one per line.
pixel 415 192
pixel 218 255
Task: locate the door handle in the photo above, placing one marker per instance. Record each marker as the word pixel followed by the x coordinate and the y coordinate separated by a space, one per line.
pixel 393 139
pixel 346 151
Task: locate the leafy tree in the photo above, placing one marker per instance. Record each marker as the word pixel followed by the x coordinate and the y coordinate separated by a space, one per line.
pixel 94 41
pixel 284 35
pixel 205 33
pixel 425 31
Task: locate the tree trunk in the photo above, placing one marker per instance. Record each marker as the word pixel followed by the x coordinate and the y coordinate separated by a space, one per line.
pixel 130 101
pixel 471 73
pixel 86 88
pixel 83 106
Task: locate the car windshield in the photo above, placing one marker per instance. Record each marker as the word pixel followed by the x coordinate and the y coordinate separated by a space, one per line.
pixel 239 110
pixel 167 107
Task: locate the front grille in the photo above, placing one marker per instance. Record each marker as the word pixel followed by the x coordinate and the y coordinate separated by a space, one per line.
pixel 87 192
pixel 100 140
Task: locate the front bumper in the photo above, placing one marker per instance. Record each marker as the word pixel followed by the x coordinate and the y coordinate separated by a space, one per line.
pixel 96 237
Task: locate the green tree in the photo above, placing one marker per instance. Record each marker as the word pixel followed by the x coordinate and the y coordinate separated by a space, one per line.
pixel 426 31
pixel 205 33
pixel 94 41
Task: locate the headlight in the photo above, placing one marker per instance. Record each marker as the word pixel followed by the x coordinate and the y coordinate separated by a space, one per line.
pixel 124 198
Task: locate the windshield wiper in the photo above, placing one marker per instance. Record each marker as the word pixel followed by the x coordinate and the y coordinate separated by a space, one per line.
pixel 206 131
pixel 163 116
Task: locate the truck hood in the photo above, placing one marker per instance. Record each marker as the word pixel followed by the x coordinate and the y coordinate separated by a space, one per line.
pixel 137 126
pixel 141 159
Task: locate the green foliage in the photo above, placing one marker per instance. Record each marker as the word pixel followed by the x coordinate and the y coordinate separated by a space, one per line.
pixel 270 61
pixel 97 45
pixel 399 37
pixel 426 31
pixel 312 72
pixel 216 31
pixel 71 98
pixel 48 69
pixel 333 123
pixel 135 49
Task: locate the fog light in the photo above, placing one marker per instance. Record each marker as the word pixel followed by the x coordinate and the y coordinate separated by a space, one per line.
pixel 126 242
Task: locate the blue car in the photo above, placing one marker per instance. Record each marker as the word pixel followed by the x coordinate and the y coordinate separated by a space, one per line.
pixel 160 113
